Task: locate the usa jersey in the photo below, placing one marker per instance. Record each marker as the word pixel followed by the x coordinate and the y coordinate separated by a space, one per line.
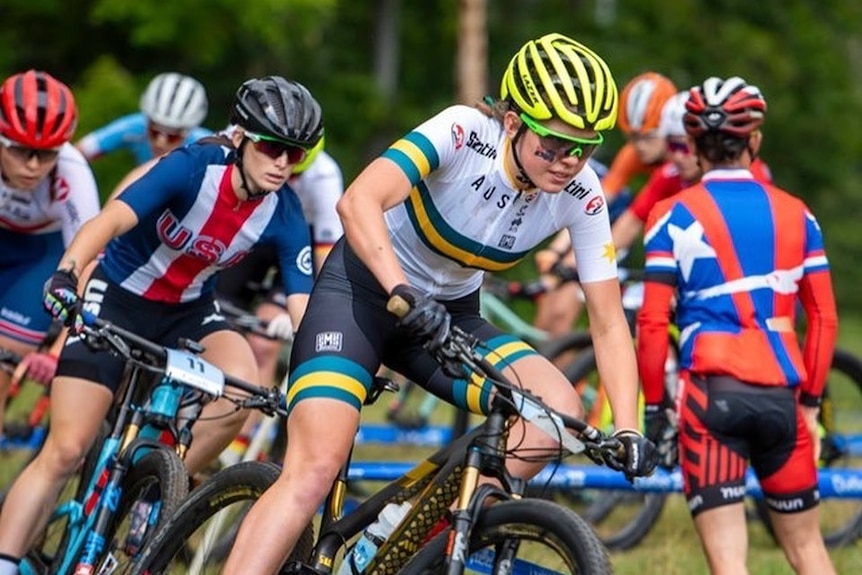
pixel 191 226
pixel 60 203
pixel 465 214
pixel 128 133
pixel 740 254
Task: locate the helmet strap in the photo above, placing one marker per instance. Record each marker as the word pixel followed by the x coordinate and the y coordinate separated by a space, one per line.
pixel 521 176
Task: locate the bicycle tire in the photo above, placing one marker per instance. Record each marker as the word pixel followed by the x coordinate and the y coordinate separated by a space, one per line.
pixel 550 538
pixel 621 518
pixel 169 551
pixel 841 521
pixel 161 469
pixel 573 341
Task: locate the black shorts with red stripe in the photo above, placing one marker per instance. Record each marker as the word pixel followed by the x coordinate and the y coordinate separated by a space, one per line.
pixel 725 424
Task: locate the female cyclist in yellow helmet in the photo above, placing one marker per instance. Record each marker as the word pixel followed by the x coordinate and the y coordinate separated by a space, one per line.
pixel 471 189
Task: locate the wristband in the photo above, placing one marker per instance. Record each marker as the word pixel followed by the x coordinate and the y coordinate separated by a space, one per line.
pixel 809 400
pixel 627 431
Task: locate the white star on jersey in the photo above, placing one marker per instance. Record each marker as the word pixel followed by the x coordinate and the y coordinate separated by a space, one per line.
pixel 689 245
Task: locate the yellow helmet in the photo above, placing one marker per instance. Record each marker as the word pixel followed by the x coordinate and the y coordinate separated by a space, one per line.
pixel 309 157
pixel 555 76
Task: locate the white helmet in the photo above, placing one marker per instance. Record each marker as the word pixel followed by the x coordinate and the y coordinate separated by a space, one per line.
pixel 175 101
pixel 671 124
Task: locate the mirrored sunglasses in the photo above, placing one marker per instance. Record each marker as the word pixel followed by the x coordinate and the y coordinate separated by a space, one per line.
pixel 678 147
pixel 562 144
pixel 172 137
pixel 275 148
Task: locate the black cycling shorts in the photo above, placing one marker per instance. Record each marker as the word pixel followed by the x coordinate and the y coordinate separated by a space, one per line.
pixel 159 322
pixel 724 424
pixel 346 333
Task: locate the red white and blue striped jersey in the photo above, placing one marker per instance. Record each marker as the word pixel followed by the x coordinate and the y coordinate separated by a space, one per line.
pixel 191 226
pixel 740 254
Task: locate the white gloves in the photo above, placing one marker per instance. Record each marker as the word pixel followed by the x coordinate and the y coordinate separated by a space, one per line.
pixel 280 327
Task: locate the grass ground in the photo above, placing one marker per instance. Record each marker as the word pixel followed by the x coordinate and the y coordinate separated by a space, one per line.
pixel 672 547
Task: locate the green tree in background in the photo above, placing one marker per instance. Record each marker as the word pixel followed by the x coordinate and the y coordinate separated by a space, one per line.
pixel 379 67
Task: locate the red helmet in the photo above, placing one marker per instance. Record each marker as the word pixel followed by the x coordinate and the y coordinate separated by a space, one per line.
pixel 730 106
pixel 37 110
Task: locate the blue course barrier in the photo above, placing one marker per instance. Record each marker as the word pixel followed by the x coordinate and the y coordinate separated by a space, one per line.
pixel 834 483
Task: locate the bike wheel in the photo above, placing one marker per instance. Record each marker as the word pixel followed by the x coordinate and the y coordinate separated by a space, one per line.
pixel 564 349
pixel 621 518
pixel 196 539
pixel 542 536
pixel 153 490
pixel 841 414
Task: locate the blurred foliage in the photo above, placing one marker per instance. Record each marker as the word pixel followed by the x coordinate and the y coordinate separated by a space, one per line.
pixel 805 55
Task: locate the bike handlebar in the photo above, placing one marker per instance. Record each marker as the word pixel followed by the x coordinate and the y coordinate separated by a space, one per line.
pixel 246 321
pixel 461 346
pixel 133 348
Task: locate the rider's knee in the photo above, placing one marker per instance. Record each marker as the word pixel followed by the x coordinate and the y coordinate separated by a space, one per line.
pixel 62 456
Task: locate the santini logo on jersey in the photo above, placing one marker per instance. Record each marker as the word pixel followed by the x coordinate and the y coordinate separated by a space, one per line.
pixel 480 147
pixel 180 238
pixel 577 189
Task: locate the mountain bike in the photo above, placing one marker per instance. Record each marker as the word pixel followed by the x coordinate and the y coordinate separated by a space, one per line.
pixel 621 518
pixel 136 477
pixel 482 525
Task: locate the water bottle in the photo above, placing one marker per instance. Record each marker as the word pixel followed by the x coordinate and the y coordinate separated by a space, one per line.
pixel 358 558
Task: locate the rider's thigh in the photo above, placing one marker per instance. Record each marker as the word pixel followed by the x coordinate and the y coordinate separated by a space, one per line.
pixel 78 408
pixel 230 352
pixel 320 435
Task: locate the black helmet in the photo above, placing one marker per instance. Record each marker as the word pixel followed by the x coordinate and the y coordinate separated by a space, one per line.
pixel 279 108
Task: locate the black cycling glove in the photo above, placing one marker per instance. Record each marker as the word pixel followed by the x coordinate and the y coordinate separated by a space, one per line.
pixel 639 456
pixel 427 319
pixel 61 299
pixel 663 433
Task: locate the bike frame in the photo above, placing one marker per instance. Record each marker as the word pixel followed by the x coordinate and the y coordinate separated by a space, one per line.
pixel 136 431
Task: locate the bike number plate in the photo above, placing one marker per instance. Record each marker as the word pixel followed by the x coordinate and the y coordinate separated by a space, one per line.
pixel 192 371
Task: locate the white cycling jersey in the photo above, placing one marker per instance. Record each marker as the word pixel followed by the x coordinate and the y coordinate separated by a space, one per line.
pixel 319 187
pixel 60 202
pixel 465 215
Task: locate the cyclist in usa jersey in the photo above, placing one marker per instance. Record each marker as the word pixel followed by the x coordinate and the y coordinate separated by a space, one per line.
pixel 319 184
pixel 738 255
pixel 470 190
pixel 173 107
pixel 47 191
pixel 200 209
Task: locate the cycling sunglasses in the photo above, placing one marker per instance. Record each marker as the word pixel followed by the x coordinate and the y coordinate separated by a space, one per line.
pixel 172 137
pixel 679 147
pixel 562 144
pixel 275 148
pixel 25 154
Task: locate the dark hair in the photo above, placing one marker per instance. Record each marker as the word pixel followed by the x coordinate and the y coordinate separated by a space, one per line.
pixel 719 148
